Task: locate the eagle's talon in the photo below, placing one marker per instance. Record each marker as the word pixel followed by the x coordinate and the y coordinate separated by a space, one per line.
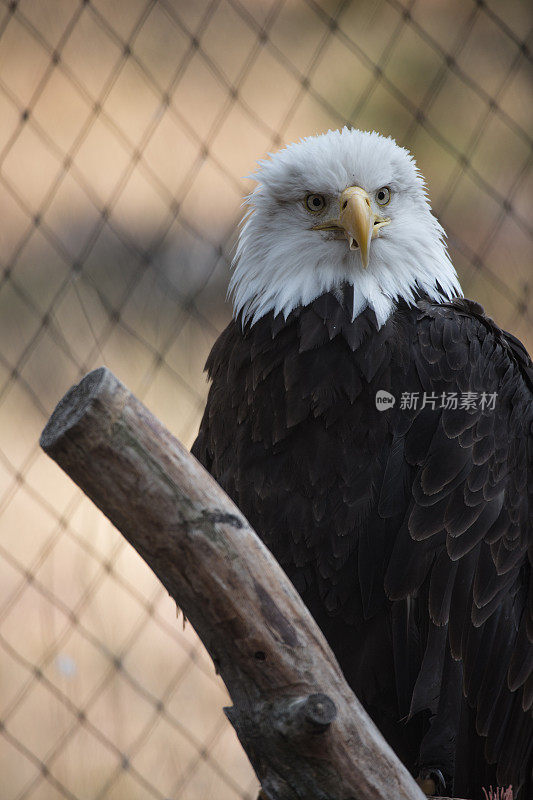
pixel 431 781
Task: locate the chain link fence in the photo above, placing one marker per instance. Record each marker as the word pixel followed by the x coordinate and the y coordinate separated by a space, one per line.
pixel 125 128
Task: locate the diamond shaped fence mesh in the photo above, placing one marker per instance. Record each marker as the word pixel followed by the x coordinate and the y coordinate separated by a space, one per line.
pixel 126 128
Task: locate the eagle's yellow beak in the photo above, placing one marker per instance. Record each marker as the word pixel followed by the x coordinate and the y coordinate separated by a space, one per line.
pixel 357 220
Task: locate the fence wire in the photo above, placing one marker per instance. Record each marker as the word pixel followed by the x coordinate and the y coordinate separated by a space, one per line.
pixel 125 128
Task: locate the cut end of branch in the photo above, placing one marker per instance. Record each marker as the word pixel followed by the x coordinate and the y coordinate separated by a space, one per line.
pixel 319 712
pixel 303 717
pixel 72 407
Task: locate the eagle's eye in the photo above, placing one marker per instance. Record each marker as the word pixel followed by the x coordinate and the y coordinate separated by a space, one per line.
pixel 383 196
pixel 315 202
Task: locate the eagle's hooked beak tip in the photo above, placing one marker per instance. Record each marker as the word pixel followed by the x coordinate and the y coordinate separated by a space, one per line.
pixel 357 219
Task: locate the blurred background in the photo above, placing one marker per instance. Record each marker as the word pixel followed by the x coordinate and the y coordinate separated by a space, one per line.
pixel 126 127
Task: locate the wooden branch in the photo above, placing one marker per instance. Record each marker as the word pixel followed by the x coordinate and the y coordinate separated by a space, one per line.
pixel 305 733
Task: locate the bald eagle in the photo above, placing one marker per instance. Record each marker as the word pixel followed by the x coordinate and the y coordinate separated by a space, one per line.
pixel 376 430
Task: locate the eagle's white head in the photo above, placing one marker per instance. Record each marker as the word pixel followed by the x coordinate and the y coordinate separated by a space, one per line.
pixel 346 207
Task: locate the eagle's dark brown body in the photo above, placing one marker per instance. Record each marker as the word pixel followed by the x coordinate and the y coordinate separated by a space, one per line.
pixel 406 530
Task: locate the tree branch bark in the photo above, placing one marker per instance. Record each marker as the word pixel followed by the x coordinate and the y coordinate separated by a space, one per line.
pixel 304 731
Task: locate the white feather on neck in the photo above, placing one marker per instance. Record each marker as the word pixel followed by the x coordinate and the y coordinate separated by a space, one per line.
pixel 280 263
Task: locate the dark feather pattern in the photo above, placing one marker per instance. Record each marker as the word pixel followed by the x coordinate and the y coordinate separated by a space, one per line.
pixel 407 531
pixel 440 588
